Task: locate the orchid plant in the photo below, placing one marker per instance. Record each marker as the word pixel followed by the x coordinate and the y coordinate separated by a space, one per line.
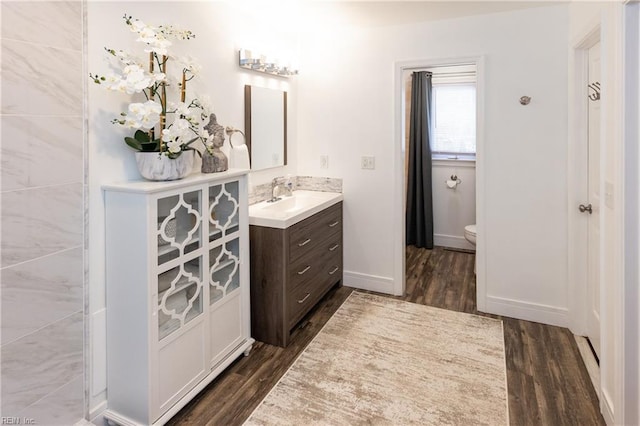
pixel 161 125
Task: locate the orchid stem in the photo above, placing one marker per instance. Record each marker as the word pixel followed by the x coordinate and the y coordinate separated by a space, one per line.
pixel 151 92
pixel 183 89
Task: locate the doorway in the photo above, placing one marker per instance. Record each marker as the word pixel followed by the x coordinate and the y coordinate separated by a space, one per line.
pixel 584 207
pixel 399 224
pixel 441 181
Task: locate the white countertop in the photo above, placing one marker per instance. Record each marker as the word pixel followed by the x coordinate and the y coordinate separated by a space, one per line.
pixel 148 186
pixel 291 210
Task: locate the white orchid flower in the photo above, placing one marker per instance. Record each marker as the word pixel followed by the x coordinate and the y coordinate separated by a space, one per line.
pixel 136 79
pixel 177 130
pixel 174 147
pixel 180 108
pixel 156 41
pixel 125 57
pixel 158 46
pixel 146 114
pixel 137 25
pixel 169 134
pixel 189 63
pixel 113 82
pixel 147 35
pixel 204 134
pixel 158 77
pixel 181 124
pixel 131 123
pixel 205 104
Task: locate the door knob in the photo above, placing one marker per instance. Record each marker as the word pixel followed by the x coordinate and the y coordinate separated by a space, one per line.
pixel 586 208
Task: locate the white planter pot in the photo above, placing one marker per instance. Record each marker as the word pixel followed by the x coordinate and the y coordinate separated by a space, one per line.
pixel 156 166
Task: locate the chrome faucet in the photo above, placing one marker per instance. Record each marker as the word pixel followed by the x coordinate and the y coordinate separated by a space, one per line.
pixel 274 186
pixel 278 182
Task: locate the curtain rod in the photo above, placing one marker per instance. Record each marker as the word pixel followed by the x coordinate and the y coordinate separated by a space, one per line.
pixel 449 74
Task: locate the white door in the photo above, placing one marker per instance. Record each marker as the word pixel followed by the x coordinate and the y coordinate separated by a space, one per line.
pixel 593 261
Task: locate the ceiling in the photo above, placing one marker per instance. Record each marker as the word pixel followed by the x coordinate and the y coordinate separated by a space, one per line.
pixel 385 13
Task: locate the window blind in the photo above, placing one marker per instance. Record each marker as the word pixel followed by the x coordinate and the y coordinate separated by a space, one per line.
pixel 454 118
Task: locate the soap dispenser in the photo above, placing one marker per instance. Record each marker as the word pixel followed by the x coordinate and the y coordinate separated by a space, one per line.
pixel 288 183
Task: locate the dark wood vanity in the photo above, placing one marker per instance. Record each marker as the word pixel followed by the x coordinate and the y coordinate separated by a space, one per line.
pixel 291 270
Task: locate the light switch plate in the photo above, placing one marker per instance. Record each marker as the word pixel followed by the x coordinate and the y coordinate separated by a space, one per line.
pixel 368 162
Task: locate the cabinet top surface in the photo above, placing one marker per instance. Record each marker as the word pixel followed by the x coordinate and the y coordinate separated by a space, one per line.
pixel 149 187
pixel 291 210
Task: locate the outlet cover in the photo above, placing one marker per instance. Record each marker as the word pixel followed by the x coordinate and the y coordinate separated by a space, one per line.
pixel 324 161
pixel 368 162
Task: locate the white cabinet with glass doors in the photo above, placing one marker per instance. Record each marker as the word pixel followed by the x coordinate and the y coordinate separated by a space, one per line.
pixel 177 277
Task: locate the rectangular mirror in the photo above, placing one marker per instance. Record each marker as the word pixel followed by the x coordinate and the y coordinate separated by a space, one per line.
pixel 265 115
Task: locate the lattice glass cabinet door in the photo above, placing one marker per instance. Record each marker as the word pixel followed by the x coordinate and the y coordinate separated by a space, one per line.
pixel 224 255
pixel 224 270
pixel 223 210
pixel 180 286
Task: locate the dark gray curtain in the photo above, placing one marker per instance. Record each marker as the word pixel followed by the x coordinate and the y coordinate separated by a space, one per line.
pixel 419 199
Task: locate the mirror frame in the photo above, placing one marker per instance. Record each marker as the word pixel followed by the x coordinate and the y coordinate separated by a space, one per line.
pixel 247 124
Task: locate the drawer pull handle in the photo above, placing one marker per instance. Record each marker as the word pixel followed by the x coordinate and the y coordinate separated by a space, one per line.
pixel 304 243
pixel 331 225
pixel 334 247
pixel 304 270
pixel 304 298
pixel 334 271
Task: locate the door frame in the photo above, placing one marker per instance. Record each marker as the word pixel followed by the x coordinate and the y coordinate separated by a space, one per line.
pixel 631 153
pixel 399 190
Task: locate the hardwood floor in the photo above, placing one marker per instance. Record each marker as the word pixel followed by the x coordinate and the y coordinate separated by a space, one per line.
pixel 547 381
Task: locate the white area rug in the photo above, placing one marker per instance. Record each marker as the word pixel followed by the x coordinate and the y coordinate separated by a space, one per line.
pixel 383 361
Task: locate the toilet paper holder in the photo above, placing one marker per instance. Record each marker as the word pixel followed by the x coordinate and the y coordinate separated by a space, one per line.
pixel 453 182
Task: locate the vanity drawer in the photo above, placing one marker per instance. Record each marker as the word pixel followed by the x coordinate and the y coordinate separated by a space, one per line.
pixel 330 273
pixel 311 231
pixel 314 262
pixel 307 294
pixel 302 299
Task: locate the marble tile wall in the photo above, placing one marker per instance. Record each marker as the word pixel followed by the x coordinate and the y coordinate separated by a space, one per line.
pixel 325 184
pixel 262 192
pixel 42 212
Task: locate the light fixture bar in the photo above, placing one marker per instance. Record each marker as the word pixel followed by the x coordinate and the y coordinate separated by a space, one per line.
pixel 256 62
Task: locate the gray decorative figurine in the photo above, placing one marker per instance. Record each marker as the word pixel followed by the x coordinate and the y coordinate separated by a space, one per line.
pixel 213 159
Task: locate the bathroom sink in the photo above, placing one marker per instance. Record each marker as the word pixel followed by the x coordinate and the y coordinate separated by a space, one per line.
pixel 291 210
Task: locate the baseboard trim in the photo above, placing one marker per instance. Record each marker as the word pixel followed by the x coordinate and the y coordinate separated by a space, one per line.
pixel 368 282
pixel 96 415
pixel 590 362
pixel 606 407
pixel 535 312
pixel 452 241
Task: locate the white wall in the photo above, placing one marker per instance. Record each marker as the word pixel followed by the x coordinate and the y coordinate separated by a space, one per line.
pixel 221 29
pixel 453 209
pixel 346 110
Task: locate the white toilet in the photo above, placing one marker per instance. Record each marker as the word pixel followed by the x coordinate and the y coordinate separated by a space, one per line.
pixel 470 234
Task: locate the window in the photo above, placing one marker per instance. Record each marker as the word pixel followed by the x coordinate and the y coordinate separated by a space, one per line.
pixel 454 119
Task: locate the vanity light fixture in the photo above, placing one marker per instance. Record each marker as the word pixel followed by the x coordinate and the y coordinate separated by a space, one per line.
pixel 256 62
